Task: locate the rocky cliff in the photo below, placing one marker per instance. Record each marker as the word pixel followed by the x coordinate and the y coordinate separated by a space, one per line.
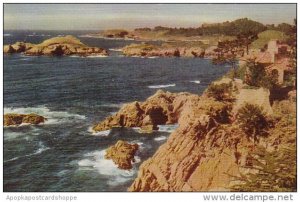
pixel 57 46
pixel 209 150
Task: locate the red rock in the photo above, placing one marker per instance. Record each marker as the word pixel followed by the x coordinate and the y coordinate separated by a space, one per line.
pixel 122 154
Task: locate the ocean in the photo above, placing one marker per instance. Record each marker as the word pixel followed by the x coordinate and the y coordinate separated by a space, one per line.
pixel 74 93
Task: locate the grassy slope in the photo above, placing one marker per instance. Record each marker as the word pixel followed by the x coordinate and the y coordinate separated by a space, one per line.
pixel 62 40
pixel 265 36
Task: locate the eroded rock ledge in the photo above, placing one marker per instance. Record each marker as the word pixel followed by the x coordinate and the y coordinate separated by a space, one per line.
pixel 122 154
pixel 208 150
pixel 159 109
pixel 57 46
pixel 17 119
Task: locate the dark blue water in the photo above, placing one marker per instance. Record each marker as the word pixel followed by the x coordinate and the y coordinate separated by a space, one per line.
pixel 74 93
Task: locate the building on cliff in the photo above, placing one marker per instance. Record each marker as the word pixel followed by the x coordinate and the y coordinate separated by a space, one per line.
pixel 275 59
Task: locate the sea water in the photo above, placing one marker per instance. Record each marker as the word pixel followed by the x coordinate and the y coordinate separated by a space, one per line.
pixel 74 93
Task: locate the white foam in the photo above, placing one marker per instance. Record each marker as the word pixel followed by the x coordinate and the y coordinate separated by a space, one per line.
pixel 141 144
pixel 104 133
pixel 196 81
pixel 162 86
pixel 62 173
pixel 53 117
pixel 167 128
pixel 97 56
pixel 160 138
pixel 136 128
pixel 137 160
pixel 41 149
pixel 90 56
pixel 7 34
pixel 95 161
pixel 113 113
pixel 27 135
pixel 115 49
pixel 112 105
pixel 25 59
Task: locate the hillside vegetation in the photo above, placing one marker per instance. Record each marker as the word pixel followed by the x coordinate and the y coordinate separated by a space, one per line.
pixel 265 36
pixel 62 40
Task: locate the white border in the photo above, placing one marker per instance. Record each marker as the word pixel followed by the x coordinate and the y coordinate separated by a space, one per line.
pixel 112 196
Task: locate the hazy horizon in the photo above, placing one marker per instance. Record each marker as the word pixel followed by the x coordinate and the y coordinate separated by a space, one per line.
pixel 130 16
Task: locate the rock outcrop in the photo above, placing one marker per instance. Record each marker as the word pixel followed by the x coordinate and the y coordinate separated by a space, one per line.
pixel 148 50
pixel 17 119
pixel 207 152
pixel 115 33
pixel 159 109
pixel 260 97
pixel 57 46
pixel 122 154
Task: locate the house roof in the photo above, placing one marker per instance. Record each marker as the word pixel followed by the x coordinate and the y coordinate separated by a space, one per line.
pixel 281 64
pixel 264 57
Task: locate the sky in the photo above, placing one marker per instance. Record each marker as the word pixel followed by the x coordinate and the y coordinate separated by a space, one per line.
pixel 130 16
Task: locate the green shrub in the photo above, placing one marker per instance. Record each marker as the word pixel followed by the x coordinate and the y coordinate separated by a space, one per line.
pixel 220 92
pixel 252 120
pixel 239 73
pixel 257 76
pixel 275 172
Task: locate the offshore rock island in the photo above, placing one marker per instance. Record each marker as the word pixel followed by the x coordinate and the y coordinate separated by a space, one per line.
pixel 57 46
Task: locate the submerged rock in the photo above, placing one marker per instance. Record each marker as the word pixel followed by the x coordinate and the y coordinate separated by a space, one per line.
pixel 122 154
pixel 17 119
pixel 57 46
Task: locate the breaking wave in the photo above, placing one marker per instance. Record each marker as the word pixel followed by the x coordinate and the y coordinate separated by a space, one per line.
pixel 104 133
pixel 53 117
pixel 95 161
pixel 160 138
pixel 196 81
pixel 162 86
pixel 167 128
pixel 41 149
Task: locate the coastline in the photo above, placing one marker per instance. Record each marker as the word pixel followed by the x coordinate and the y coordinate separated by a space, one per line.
pixel 177 165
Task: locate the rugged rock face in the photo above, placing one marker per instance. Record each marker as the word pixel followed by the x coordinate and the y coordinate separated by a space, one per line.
pixel 207 153
pixel 260 97
pixel 17 119
pixel 159 109
pixel 199 155
pixel 56 46
pixel 122 154
pixel 147 50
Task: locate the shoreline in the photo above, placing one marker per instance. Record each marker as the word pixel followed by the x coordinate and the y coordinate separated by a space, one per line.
pixel 184 138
